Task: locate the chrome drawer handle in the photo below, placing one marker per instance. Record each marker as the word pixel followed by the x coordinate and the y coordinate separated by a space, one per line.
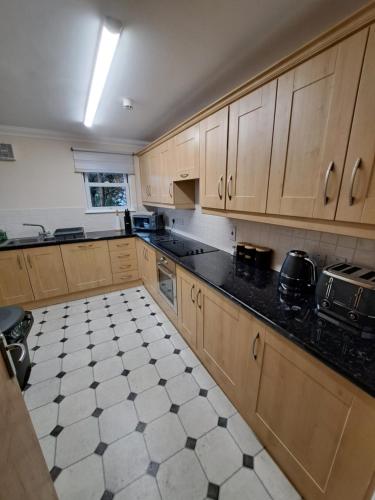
pixel 255 343
pixel 229 187
pixel 184 175
pixel 219 187
pixel 357 166
pixel 12 347
pixel 330 169
pixel 197 297
pixel 191 294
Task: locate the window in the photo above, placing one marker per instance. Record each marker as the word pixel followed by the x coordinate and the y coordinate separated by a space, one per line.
pixel 106 192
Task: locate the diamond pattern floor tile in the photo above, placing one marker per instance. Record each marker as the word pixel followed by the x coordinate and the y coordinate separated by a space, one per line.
pixel 127 411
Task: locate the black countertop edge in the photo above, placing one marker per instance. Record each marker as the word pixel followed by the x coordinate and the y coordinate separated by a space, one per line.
pixel 218 269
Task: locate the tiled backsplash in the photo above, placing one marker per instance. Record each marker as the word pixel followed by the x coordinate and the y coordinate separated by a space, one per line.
pixel 11 220
pixel 325 248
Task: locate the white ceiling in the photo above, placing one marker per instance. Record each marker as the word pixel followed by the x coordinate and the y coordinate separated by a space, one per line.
pixel 174 57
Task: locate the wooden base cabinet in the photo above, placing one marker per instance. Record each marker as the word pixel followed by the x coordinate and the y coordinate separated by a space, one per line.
pixel 315 426
pixel 15 285
pixel 46 271
pixel 87 265
pixel 187 290
pixel 147 265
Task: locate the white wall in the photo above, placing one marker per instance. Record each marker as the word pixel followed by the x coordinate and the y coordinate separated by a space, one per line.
pixel 42 187
pixel 326 248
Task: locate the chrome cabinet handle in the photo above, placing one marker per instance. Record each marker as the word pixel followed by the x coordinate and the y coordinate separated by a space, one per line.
pixel 29 261
pixel 19 261
pixel 229 187
pixel 219 187
pixel 255 343
pixel 191 294
pixel 184 175
pixel 198 295
pixel 170 190
pixel 330 169
pixel 17 345
pixel 357 166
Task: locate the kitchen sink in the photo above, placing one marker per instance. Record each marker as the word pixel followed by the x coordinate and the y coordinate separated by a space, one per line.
pixel 27 241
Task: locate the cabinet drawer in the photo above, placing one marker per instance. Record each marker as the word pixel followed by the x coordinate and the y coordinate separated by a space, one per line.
pixel 123 255
pixel 121 244
pixel 126 276
pixel 124 265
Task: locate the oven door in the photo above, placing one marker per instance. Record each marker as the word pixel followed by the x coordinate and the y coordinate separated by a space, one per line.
pixel 167 285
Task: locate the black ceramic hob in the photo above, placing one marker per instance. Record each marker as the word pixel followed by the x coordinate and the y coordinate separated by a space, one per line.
pixel 184 247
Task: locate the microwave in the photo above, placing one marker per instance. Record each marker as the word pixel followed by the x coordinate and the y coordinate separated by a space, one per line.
pixel 148 221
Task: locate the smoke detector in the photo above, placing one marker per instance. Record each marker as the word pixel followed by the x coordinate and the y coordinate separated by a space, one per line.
pixel 127 104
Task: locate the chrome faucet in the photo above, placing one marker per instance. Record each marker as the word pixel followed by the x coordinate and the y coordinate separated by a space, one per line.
pixel 43 233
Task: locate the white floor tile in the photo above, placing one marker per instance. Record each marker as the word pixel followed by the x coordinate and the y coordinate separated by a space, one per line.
pixel 108 368
pixel 221 403
pixel 77 441
pixel 143 378
pixel 76 360
pixel 100 323
pixel 182 388
pixel 119 472
pixel 181 477
pixel 197 417
pixel 48 352
pixel 160 348
pixel 153 333
pixel 98 313
pixel 136 358
pixel 219 455
pixel 203 378
pixel 144 488
pixel 76 380
pixel 76 330
pixel 104 350
pixel 76 407
pixel 164 437
pixel 83 480
pixel 76 343
pixel 44 419
pixel 129 342
pixel 45 370
pixel 243 485
pixel 243 435
pixel 42 393
pixel 53 325
pixel 170 366
pixel 178 342
pixel 117 421
pixel 75 319
pixel 126 328
pixel 122 317
pixel 146 322
pixel 152 403
pixel 273 479
pixel 48 445
pixel 112 391
pixel 50 338
pixel 103 335
pixel 189 358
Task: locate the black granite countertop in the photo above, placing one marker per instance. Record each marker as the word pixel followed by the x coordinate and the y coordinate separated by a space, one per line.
pixel 256 291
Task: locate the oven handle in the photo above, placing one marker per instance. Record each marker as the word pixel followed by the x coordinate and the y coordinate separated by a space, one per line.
pixel 166 271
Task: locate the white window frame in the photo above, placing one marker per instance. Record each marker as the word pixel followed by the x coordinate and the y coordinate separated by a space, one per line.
pixel 126 185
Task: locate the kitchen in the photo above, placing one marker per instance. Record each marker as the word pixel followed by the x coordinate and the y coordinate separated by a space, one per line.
pixel 187 275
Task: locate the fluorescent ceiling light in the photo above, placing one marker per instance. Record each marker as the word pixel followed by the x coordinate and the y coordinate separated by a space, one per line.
pixel 108 42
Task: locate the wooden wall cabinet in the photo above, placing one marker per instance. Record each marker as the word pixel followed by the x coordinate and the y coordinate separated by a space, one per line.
pixel 186 154
pixel 314 110
pixel 144 169
pixel 46 271
pixel 213 159
pixel 249 150
pixel 357 195
pixel 15 285
pixel 87 265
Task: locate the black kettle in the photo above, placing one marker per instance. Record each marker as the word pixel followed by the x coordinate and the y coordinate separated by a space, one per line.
pixel 297 275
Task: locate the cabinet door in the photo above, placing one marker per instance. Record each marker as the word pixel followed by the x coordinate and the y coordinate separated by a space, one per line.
pixel 15 286
pixel 302 415
pixel 186 154
pixel 221 338
pixel 249 149
pixel 357 195
pixel 154 171
pixel 151 271
pixel 46 271
pixel 87 265
pixel 314 109
pixel 165 165
pixel 144 168
pixel 213 132
pixel 141 257
pixel 187 288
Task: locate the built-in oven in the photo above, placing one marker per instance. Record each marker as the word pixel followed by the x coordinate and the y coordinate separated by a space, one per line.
pixel 167 283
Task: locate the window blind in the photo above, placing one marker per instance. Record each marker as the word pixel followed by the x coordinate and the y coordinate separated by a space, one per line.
pixel 96 161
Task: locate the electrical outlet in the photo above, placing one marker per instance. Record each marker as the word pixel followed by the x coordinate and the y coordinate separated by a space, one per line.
pixel 232 233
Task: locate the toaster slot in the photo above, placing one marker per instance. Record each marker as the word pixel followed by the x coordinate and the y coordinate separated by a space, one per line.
pixel 351 270
pixel 368 276
pixel 340 267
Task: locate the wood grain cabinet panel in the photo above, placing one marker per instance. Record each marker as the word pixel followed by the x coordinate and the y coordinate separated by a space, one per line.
pixel 144 169
pixel 15 286
pixel 121 244
pixel 46 271
pixel 187 289
pixel 249 149
pixel 314 110
pixel 147 265
pixel 213 133
pixel 357 194
pixel 186 154
pixel 166 191
pixel 87 265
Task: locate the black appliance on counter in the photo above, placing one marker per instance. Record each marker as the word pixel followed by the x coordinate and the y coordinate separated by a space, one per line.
pixel 345 295
pixel 297 275
pixel 148 221
pixel 69 233
pixel 15 325
pixel 127 222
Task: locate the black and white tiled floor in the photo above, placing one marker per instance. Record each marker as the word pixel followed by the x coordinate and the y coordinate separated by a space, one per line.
pixel 124 409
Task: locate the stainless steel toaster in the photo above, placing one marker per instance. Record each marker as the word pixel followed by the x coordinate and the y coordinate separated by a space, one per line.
pixel 345 294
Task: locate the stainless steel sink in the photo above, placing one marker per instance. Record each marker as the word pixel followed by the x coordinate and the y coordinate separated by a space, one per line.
pixel 26 241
